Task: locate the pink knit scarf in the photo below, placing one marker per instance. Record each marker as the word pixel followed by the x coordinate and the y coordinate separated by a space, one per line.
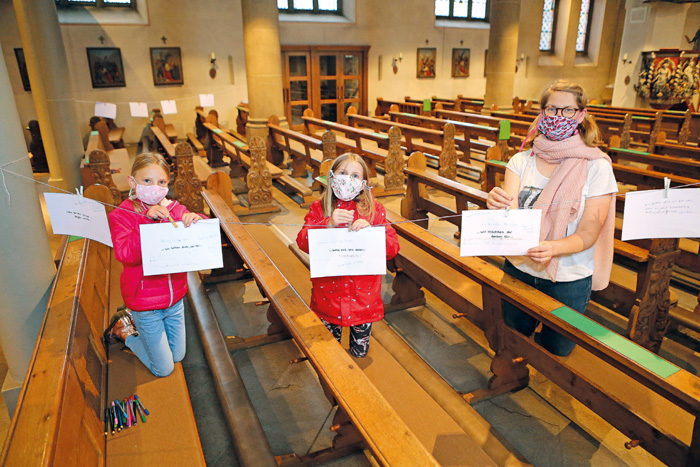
pixel 560 200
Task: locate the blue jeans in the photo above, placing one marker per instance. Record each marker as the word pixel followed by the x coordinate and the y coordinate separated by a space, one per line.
pixel 161 339
pixel 575 294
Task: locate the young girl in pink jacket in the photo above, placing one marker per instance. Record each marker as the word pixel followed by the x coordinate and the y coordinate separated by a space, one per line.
pixel 153 324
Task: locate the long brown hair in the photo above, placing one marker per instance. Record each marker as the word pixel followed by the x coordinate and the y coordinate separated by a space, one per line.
pixel 141 161
pixel 588 129
pixel 365 201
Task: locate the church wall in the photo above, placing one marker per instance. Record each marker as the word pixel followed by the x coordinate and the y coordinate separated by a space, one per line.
pixel 661 28
pixel 198 28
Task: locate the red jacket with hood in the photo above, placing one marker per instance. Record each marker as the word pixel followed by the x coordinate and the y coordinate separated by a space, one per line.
pixel 347 300
pixel 143 293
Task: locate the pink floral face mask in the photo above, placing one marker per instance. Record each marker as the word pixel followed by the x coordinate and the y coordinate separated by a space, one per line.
pixel 345 187
pixel 151 194
pixel 557 127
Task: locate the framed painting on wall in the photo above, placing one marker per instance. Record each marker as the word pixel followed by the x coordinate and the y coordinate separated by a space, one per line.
pixel 425 63
pixel 166 64
pixel 460 63
pixel 22 64
pixel 106 67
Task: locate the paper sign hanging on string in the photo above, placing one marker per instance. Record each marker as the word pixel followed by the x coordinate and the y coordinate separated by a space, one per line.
pixel 105 110
pixel 166 249
pixel 206 100
pixel 338 252
pixel 138 109
pixel 650 214
pixel 169 107
pixel 487 232
pixel 79 216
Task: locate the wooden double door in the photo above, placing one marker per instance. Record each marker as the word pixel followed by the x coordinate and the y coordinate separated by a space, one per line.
pixel 327 79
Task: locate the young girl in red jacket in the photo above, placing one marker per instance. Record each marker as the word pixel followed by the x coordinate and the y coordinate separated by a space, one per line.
pixel 348 301
pixel 155 331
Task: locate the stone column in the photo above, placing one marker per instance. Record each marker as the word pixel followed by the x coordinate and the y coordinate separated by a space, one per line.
pixel 26 269
pixel 263 64
pixel 51 89
pixel 503 51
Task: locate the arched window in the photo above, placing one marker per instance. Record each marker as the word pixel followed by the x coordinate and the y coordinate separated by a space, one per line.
pixel 310 6
pixel 584 27
pixel 475 10
pixel 549 25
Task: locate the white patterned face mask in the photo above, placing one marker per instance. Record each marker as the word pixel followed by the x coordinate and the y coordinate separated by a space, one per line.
pixel 345 187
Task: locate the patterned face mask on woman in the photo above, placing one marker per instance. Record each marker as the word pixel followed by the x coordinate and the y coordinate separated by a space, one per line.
pixel 557 127
pixel 345 187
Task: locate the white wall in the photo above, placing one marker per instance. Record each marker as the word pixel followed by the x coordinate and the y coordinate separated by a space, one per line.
pixel 661 29
pixel 198 28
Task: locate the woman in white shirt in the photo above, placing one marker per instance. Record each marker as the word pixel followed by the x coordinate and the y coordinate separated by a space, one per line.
pixel 564 174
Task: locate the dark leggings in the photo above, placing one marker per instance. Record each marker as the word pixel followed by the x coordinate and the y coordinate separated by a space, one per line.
pixel 359 336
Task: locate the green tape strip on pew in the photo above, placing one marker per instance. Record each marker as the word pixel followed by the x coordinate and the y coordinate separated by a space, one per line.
pixel 631 151
pixel 408 114
pixel 626 347
pixel 379 135
pixel 94 133
pixel 240 144
pixel 218 131
pixel 639 117
pixel 426 105
pixel 495 161
pixel 504 129
pixel 72 238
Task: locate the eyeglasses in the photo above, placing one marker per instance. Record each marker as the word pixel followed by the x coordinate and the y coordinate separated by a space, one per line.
pixel 566 112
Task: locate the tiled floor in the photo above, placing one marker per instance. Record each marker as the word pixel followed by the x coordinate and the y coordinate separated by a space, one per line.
pixel 545 424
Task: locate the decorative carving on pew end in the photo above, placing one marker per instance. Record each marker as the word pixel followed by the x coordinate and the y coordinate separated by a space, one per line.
pixel 187 186
pixel 649 321
pixel 684 132
pixel 625 133
pixel 654 135
pixel 259 181
pixel 394 164
pixel 102 174
pixel 448 156
pixel 328 141
pixel 275 155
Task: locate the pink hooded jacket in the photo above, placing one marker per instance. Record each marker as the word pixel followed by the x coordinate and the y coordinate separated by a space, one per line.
pixel 143 293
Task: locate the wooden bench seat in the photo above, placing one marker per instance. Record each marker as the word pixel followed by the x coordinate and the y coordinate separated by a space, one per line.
pixel 59 418
pixel 658 411
pixel 429 425
pixel 198 146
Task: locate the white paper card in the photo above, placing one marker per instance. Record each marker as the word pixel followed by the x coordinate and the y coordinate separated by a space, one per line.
pixel 166 249
pixel 488 232
pixel 206 100
pixel 106 110
pixel 169 107
pixel 71 217
pixel 138 109
pixel 337 252
pixel 649 215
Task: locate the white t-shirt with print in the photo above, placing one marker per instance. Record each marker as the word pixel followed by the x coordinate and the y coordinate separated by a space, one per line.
pixel 600 181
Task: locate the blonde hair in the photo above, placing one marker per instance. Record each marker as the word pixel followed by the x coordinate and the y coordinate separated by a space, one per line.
pixel 142 161
pixel 365 201
pixel 588 129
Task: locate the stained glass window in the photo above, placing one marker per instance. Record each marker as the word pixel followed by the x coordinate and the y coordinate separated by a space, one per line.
pixel 584 26
pixel 549 23
pixel 310 6
pixel 462 9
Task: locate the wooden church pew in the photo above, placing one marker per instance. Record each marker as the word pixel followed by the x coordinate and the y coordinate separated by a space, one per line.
pixel 59 418
pixel 658 410
pixel 627 299
pixel 370 408
pixel 242 117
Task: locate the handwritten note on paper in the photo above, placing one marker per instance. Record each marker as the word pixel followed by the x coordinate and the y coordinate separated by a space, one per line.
pixel 138 109
pixel 166 249
pixel 71 217
pixel 106 110
pixel 488 232
pixel 169 107
pixel 648 214
pixel 337 252
pixel 206 100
